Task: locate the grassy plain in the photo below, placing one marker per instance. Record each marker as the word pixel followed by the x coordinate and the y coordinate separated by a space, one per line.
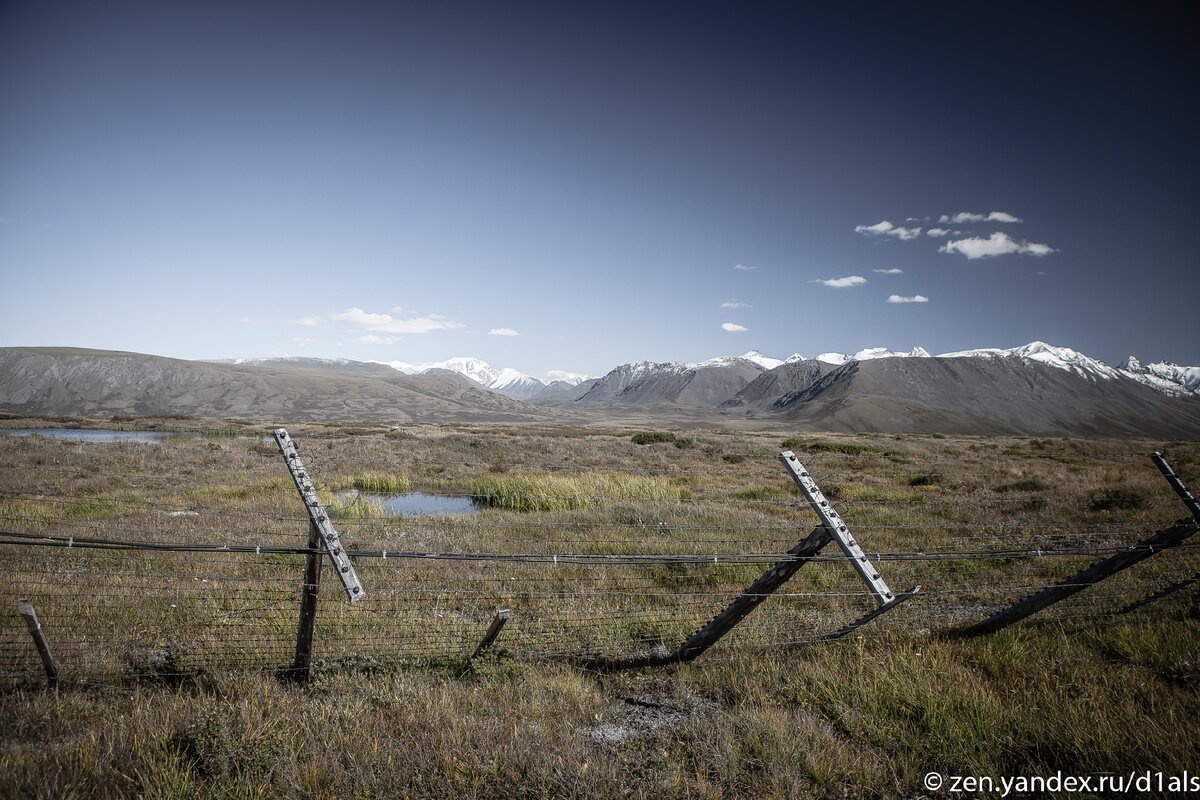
pixel 168 658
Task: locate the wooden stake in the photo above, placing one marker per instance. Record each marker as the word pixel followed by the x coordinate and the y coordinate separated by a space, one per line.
pixel 1168 537
pixel 310 592
pixel 498 623
pixel 754 594
pixel 1166 591
pixel 39 639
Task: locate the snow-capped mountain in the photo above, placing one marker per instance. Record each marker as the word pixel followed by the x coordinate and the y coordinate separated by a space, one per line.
pixel 866 354
pixel 766 362
pixel 507 381
pixel 701 384
pixel 1164 376
pixel 1058 357
pixel 1171 379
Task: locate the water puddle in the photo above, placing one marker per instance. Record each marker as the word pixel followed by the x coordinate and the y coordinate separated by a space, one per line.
pixel 417 504
pixel 103 435
pixel 110 435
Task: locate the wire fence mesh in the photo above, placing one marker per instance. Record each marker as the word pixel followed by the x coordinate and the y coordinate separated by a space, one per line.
pixel 143 564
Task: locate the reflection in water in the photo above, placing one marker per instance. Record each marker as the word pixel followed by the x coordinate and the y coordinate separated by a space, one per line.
pixel 418 504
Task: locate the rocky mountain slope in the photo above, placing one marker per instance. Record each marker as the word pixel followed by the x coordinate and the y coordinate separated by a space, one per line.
pixel 69 381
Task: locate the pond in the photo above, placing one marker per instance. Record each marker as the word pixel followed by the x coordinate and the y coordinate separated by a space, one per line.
pixel 104 435
pixel 418 504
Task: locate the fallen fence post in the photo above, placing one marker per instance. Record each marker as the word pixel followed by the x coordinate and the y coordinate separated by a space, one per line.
pixel 752 596
pixel 1163 539
pixel 1168 537
pixel 832 528
pixel 39 639
pixel 498 623
pixel 1166 591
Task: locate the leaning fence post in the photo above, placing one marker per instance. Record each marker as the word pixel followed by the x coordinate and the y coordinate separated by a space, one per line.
pixel 39 639
pixel 310 593
pixel 498 623
pixel 1168 537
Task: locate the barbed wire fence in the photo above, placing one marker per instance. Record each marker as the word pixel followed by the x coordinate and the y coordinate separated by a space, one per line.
pixel 129 588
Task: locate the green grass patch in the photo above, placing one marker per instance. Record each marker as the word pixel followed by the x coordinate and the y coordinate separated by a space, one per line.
pixel 381 482
pixel 814 446
pixel 652 437
pixel 1118 499
pixel 1023 485
pixel 568 492
pixel 767 491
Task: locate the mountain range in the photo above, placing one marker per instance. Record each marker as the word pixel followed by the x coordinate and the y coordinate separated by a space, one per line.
pixel 1035 389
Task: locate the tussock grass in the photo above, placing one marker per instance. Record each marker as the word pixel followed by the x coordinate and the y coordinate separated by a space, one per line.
pixel 1023 485
pixel 360 506
pixel 808 446
pixel 865 718
pixel 568 492
pixel 383 483
pixel 652 437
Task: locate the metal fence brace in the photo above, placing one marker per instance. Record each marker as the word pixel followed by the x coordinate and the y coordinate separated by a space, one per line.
pixel 833 522
pixel 324 529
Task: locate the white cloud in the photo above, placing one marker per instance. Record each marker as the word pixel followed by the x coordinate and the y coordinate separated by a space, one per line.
pixel 303 339
pixel 744 267
pixel 386 323
pixel 371 338
pixel 733 327
pixel 969 216
pixel 936 232
pixel 502 332
pixel 886 228
pixel 842 283
pixel 998 244
pixel 734 304
pixel 916 298
pixel 890 271
pixel 308 322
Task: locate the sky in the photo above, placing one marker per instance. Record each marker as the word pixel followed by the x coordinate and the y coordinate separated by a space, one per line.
pixel 558 186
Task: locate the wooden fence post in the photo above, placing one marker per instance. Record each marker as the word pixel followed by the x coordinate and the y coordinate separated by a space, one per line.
pixel 498 623
pixel 752 596
pixel 39 640
pixel 832 528
pixel 310 593
pixel 1168 537
pixel 1163 539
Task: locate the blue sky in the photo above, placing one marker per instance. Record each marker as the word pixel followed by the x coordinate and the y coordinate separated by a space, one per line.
pixel 378 182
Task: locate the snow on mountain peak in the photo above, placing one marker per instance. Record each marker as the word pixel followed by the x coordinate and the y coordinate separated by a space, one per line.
pixel 510 378
pixel 793 358
pixel 476 369
pixel 837 359
pixel 1063 358
pixel 766 362
pixel 573 378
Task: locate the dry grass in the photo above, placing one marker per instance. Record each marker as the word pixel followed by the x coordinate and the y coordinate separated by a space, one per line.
pixel 182 645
